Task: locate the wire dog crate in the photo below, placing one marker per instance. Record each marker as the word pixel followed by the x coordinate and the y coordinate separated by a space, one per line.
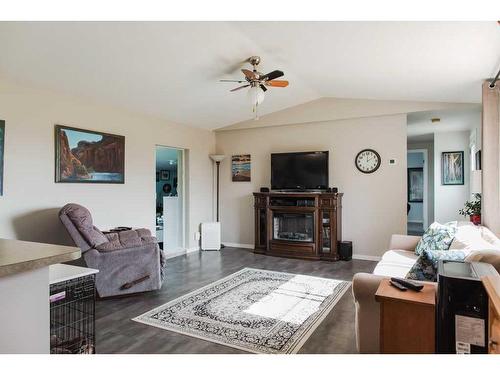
pixel 72 316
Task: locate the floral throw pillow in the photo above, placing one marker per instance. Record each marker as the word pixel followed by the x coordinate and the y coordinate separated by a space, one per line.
pixel 437 237
pixel 425 268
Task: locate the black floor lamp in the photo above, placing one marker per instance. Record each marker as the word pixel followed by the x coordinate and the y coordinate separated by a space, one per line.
pixel 217 159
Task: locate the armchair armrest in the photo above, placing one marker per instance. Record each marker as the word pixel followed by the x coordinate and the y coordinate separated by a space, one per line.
pixel 403 242
pixel 367 321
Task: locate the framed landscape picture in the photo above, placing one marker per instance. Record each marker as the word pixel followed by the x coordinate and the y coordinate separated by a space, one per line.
pixel 2 143
pixel 88 156
pixel 452 168
pixel 240 168
pixel 415 185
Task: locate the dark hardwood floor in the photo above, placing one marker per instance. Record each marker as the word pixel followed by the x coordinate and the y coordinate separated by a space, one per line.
pixel 117 333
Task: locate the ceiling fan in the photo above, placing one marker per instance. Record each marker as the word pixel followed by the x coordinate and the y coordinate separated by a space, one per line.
pixel 257 82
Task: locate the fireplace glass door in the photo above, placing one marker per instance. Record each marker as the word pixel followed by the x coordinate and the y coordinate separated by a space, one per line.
pixel 293 226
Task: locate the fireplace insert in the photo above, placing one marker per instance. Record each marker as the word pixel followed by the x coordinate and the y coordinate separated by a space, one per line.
pixel 293 226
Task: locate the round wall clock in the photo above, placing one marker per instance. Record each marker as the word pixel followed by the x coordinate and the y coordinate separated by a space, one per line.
pixel 367 161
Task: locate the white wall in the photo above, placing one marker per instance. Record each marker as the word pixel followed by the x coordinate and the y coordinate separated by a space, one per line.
pixel 31 200
pixel 374 206
pixel 448 199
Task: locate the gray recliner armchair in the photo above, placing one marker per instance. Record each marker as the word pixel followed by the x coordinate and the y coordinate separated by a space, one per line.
pixel 128 261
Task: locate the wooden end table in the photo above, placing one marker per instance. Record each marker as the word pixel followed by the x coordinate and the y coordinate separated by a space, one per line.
pixel 407 319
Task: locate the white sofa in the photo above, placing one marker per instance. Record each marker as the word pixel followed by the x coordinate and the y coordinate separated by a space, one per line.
pixel 478 242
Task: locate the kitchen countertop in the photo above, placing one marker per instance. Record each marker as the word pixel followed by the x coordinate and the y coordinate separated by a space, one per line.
pixel 21 256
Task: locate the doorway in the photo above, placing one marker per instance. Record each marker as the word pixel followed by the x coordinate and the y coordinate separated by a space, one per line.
pixel 169 199
pixel 417 208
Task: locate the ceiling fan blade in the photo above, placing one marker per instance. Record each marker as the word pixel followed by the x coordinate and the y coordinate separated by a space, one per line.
pixel 248 74
pixel 263 88
pixel 239 88
pixel 277 83
pixel 272 75
pixel 232 80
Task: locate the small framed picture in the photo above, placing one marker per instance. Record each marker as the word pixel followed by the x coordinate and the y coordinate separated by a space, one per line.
pixel 452 168
pixel 240 168
pixel 164 175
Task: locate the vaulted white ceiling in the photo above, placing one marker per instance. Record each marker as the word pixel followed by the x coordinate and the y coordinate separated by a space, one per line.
pixel 171 69
pixel 420 124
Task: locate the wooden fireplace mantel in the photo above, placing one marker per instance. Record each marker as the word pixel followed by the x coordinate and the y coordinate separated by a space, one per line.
pixel 326 212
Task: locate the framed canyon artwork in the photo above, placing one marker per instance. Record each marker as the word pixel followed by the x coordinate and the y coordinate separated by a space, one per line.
pixel 240 168
pixel 2 143
pixel 87 156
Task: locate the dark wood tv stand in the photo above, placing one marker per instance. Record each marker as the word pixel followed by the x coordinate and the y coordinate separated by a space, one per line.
pixel 298 225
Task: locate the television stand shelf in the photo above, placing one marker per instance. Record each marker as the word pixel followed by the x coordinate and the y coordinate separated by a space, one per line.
pixel 298 225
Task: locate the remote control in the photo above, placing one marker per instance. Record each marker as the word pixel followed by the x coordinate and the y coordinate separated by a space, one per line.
pixel 395 284
pixel 410 284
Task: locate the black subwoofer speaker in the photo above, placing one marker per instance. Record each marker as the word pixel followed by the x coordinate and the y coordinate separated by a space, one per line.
pixel 345 250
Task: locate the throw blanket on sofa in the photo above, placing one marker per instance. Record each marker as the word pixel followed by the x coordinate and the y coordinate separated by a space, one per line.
pixel 425 268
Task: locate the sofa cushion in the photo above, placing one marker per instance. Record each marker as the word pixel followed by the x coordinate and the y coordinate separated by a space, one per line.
pixel 395 263
pixel 437 237
pixel 425 268
pixel 400 257
pixel 126 240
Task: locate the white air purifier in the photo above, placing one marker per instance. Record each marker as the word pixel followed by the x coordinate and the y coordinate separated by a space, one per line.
pixel 210 236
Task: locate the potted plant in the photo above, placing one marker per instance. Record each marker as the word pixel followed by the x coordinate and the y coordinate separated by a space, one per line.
pixel 473 209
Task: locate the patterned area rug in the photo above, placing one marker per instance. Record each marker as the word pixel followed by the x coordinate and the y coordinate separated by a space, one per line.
pixel 253 310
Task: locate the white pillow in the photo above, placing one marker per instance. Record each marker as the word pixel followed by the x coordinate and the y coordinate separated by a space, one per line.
pixel 490 237
pixel 470 237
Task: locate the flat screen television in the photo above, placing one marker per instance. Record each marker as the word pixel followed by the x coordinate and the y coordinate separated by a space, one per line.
pixel 299 171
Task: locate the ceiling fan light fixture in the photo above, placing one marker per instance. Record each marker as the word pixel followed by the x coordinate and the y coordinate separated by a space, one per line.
pixel 255 95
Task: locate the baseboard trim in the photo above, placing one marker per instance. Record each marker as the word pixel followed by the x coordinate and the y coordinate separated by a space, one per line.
pixel 181 252
pixel 175 254
pixel 251 246
pixel 366 257
pixel 241 245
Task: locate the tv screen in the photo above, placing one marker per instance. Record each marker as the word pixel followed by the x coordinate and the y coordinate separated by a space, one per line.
pixel 299 170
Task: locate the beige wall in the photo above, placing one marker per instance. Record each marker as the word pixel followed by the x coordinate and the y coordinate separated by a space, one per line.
pixel 491 157
pixel 449 199
pixel 374 206
pixel 28 208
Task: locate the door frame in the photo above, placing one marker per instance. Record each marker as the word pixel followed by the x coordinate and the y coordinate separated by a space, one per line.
pixel 425 203
pixel 181 182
